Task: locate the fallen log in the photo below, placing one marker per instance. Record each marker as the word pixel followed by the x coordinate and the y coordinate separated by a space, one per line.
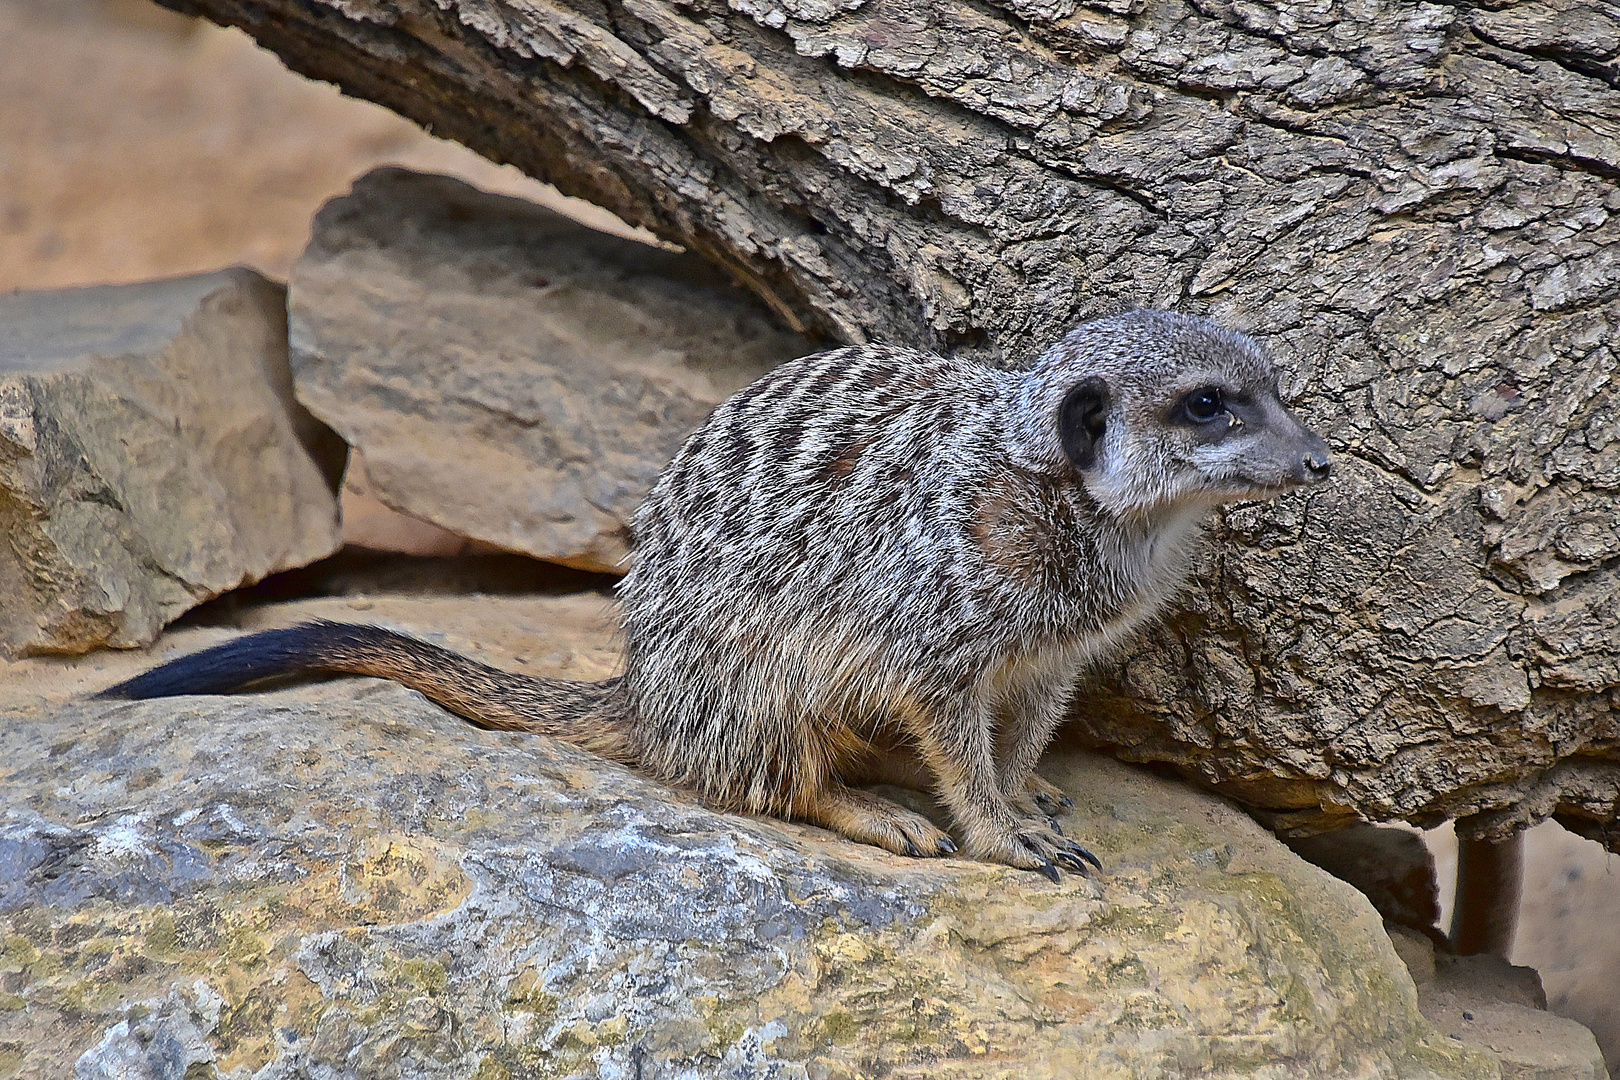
pixel 1410 203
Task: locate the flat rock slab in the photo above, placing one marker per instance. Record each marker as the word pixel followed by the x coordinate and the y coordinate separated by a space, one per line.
pixel 1487 1001
pixel 345 878
pixel 510 375
pixel 341 880
pixel 151 457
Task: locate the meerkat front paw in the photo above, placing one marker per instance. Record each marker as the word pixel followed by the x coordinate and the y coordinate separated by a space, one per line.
pixel 1048 796
pixel 1030 846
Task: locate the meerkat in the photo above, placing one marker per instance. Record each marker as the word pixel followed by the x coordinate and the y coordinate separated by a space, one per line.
pixel 877 564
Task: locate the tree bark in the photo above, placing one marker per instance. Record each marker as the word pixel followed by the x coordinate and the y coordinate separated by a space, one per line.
pixel 1490 882
pixel 1412 204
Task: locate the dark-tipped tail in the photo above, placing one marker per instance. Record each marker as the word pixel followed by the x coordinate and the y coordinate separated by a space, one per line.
pixel 584 713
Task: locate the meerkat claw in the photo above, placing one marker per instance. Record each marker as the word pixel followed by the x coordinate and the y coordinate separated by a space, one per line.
pixel 946 846
pixel 1047 796
pixel 1076 849
pixel 1065 853
pixel 1046 867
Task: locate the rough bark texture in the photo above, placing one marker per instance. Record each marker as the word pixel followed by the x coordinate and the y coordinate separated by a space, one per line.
pixel 1409 202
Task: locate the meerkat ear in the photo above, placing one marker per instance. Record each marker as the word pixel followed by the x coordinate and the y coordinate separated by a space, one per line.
pixel 1080 421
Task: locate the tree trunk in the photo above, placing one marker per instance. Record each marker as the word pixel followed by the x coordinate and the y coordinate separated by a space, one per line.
pixel 1409 203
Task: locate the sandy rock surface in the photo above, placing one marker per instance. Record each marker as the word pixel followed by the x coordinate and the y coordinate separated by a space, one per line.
pixel 370 523
pixel 1485 1001
pixel 351 879
pixel 151 457
pixel 510 375
pixel 341 879
pixel 570 635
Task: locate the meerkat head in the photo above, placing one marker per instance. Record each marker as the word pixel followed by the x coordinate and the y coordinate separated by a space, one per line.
pixel 1155 409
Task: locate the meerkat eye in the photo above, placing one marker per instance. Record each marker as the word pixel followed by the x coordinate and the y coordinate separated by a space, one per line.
pixel 1204 404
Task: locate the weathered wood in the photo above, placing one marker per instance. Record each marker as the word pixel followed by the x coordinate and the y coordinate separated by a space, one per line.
pixel 1490 881
pixel 1411 203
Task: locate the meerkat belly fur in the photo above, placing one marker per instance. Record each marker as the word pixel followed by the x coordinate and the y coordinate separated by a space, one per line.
pixel 881 564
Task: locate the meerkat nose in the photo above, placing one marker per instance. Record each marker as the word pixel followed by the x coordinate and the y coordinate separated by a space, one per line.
pixel 1317 465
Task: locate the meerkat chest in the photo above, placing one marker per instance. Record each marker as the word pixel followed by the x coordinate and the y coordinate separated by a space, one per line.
pixel 1151 565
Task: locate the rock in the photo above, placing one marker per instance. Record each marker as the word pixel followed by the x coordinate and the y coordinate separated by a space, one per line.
pixel 1416 951
pixel 469 901
pixel 510 375
pixel 1485 1001
pixel 340 879
pixel 151 457
pixel 370 523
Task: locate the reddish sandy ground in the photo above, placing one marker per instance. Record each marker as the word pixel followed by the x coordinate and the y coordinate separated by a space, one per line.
pixel 136 144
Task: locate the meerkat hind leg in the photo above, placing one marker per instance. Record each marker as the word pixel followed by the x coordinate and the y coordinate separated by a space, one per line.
pixel 872 819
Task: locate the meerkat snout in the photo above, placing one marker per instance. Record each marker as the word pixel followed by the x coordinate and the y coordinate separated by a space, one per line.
pixel 1249 444
pixel 1316 464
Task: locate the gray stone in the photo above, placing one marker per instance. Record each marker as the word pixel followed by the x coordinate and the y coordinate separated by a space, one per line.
pixel 373 887
pixel 344 881
pixel 340 880
pixel 151 457
pixel 510 375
